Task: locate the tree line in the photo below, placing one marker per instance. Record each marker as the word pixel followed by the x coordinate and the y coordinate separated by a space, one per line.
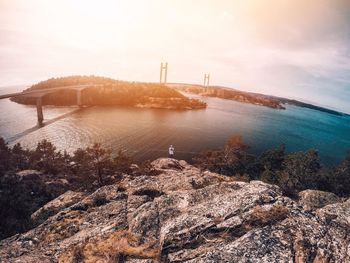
pixel 22 194
pixel 293 172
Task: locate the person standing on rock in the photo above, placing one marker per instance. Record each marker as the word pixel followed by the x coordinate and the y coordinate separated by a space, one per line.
pixel 171 151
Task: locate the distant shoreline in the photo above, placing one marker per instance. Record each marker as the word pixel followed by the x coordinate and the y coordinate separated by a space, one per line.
pixel 311 106
pixel 228 93
pixel 250 97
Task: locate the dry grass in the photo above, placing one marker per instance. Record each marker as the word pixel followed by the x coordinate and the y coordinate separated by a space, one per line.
pixel 115 248
pixel 64 228
pixel 221 178
pixel 261 216
pixel 208 178
pixel 240 178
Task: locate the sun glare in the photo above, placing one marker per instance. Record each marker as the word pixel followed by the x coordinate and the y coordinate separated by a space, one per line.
pixel 95 25
pixel 119 113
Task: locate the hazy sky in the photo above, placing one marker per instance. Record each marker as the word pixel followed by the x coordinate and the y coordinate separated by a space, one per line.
pixel 292 48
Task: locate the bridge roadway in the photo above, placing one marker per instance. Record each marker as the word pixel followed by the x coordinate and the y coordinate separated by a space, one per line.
pixel 39 93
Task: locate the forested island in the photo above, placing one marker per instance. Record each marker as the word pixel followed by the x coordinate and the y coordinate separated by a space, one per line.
pixel 249 97
pixel 106 91
pixel 230 94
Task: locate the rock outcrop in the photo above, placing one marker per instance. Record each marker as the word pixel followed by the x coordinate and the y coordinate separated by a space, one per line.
pixel 313 199
pixel 53 207
pixel 182 214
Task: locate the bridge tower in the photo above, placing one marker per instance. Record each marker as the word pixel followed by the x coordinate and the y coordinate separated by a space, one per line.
pixel 163 67
pixel 206 80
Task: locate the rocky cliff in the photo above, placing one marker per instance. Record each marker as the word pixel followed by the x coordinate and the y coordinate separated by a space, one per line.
pixel 182 214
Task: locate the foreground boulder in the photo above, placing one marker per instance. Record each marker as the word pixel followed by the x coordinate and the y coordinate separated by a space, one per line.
pixel 183 214
pixel 53 207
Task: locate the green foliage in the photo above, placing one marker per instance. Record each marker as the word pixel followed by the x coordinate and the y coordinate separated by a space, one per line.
pixel 273 159
pixel 95 163
pixel 271 163
pixel 46 158
pixel 233 159
pixel 122 162
pixel 19 157
pixel 336 180
pixel 5 156
pixel 299 172
pixel 293 172
pixel 21 195
pixel 19 198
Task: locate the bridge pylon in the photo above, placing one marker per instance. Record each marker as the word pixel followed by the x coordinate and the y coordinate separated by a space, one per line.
pixel 163 67
pixel 206 80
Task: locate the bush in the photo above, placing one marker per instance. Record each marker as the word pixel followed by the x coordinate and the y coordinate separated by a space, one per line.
pixel 46 158
pixel 96 163
pixel 293 172
pixel 299 171
pixel 20 196
pixel 232 160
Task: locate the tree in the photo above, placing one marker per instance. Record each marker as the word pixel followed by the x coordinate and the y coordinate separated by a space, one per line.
pixel 20 157
pixel 100 161
pixel 122 162
pixel 233 159
pixel 211 160
pixel 337 180
pixel 273 159
pixel 299 172
pixel 5 157
pixel 44 157
pixel 19 198
pixel 93 163
pixel 271 163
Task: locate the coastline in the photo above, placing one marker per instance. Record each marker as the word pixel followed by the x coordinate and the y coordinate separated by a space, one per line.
pixel 258 99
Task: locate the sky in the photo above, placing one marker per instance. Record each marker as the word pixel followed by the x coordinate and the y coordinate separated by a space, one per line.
pixel 292 48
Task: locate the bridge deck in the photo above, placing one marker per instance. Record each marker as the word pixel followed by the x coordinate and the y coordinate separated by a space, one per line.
pixel 40 92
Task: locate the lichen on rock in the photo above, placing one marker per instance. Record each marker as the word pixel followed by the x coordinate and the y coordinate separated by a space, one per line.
pixel 183 214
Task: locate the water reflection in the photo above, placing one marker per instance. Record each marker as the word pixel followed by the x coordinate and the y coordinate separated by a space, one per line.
pixel 147 133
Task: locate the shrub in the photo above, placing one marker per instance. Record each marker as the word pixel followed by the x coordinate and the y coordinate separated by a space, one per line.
pixel 299 172
pixel 232 160
pixel 261 216
pixel 20 196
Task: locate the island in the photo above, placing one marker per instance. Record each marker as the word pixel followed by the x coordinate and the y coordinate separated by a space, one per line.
pixel 230 94
pixel 102 91
pixel 248 97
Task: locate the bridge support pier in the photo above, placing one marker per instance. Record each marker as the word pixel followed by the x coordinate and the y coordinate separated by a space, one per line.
pixel 39 110
pixel 79 100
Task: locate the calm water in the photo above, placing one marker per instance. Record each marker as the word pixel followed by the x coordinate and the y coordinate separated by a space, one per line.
pixel 147 133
